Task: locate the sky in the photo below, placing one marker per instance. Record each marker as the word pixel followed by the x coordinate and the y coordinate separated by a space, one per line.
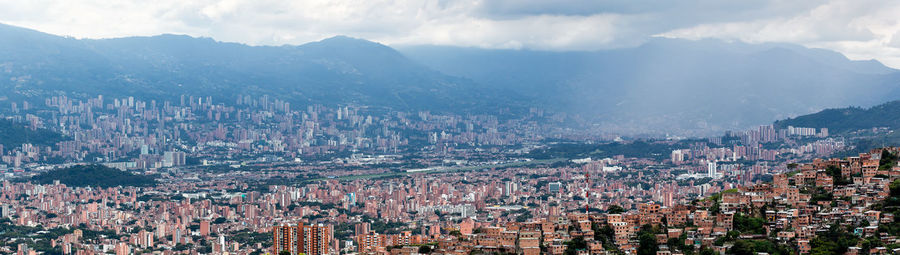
pixel 860 29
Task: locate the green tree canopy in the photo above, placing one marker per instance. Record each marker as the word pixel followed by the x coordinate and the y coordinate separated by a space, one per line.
pixel 615 209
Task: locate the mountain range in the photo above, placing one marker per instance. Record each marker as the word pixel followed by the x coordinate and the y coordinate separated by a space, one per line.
pixel 863 128
pixel 338 70
pixel 849 119
pixel 669 84
pixel 663 86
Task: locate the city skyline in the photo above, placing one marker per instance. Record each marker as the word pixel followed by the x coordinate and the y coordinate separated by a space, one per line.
pixel 449 127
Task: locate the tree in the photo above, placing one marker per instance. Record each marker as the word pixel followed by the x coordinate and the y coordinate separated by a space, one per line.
pixel 887 160
pixel 833 241
pixel 647 241
pixel 837 176
pixel 284 253
pixel 751 247
pixel 895 188
pixel 742 247
pixel 749 225
pixel 715 208
pixel 605 234
pixel 678 243
pixel 576 244
pixel 424 249
pixel 869 243
pixel 615 209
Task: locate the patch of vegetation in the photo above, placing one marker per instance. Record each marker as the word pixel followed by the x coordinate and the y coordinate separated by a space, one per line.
pixel 753 247
pixel 38 238
pixel 386 227
pixel 835 173
pixel 94 176
pixel 637 149
pixel 833 241
pixel 891 204
pixel 849 119
pixel 606 235
pixel 820 194
pixel 888 160
pixel 14 134
pixel 250 238
pixel 749 225
pixel 574 245
pixel 615 209
pixel 647 241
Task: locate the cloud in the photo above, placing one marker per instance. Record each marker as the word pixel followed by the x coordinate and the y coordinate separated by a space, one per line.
pixel 535 32
pixel 861 29
pixel 835 21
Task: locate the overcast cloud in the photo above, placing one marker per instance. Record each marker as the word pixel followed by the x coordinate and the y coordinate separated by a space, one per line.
pixel 861 29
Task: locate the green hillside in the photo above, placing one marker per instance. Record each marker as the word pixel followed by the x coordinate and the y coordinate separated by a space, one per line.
pixel 94 176
pixel 14 134
pixel 849 119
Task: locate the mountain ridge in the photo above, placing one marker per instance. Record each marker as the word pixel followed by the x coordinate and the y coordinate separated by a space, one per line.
pixel 663 86
pixel 331 71
pixel 848 119
pixel 682 84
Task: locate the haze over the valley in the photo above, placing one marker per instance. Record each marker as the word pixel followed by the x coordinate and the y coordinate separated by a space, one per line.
pixel 663 86
pixel 435 127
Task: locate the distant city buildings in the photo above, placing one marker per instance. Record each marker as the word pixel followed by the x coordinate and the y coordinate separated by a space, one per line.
pixel 554 187
pixel 332 180
pixel 302 239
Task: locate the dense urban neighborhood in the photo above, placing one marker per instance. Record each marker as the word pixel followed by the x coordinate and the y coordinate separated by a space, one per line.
pixel 449 127
pixel 257 177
